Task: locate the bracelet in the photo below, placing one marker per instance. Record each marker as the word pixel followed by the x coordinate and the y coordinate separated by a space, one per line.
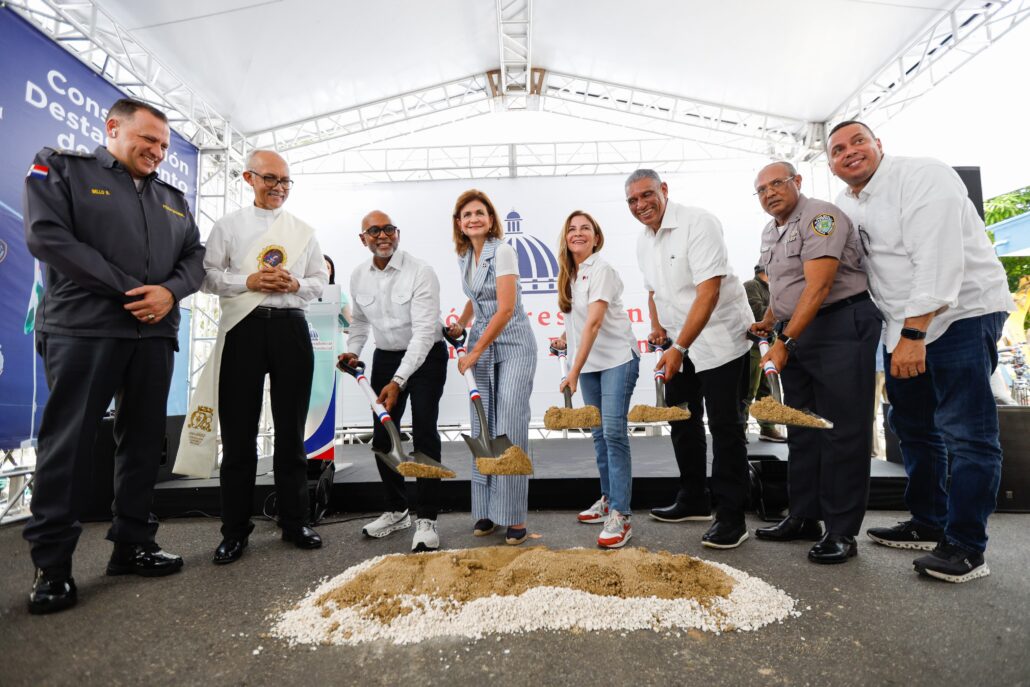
pixel 681 349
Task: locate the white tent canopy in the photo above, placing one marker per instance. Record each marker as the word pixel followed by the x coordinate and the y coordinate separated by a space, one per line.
pixel 321 80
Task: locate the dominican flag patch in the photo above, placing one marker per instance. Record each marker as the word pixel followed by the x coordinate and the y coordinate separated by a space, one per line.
pixel 38 171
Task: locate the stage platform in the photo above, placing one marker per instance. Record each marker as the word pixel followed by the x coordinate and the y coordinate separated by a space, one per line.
pixel 565 478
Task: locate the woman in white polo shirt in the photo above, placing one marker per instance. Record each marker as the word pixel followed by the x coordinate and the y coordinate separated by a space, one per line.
pixel 605 365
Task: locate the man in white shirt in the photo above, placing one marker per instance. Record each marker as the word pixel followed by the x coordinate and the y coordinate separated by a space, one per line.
pixel 944 295
pixel 272 339
pixel 396 297
pixel 694 297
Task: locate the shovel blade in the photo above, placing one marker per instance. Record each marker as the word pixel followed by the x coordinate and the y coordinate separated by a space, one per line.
pixel 478 447
pixel 499 445
pixel 423 459
pixel 390 459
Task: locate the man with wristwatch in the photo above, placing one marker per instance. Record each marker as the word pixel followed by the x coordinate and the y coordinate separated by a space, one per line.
pixel 826 355
pixel 695 298
pixel 397 298
pixel 944 295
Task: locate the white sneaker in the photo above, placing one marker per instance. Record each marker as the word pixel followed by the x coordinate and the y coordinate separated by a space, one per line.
pixel 387 523
pixel 617 531
pixel 596 514
pixel 426 538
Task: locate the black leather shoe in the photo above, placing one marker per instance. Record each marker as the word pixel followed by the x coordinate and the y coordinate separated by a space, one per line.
pixel 833 548
pixel 725 535
pixel 303 538
pixel 681 512
pixel 146 560
pixel 51 594
pixel 792 529
pixel 229 551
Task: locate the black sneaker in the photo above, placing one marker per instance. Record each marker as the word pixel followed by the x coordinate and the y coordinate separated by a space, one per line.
pixel 682 512
pixel 906 535
pixel 952 563
pixel 725 535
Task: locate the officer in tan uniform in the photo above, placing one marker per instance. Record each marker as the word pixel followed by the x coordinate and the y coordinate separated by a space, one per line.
pixel 826 354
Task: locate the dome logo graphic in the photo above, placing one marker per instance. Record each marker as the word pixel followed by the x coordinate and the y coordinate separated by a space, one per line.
pixel 538 268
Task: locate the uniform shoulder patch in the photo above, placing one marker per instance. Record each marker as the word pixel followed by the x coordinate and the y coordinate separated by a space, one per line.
pixel 823 224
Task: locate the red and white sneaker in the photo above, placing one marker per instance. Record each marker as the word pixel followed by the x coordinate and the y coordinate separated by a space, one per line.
pixel 617 531
pixel 596 514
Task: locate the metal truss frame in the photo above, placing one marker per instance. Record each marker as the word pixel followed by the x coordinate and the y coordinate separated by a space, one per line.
pixel 959 34
pixel 500 160
pixel 514 83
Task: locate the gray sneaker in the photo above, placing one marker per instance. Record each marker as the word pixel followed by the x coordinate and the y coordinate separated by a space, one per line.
pixel 387 523
pixel 426 537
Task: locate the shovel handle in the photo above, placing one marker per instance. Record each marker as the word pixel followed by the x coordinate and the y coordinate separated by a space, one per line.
pixel 373 400
pixel 658 349
pixel 769 368
pixel 459 350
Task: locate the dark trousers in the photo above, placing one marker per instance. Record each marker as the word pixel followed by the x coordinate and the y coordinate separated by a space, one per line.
pixel 84 374
pixel 721 394
pixel 949 411
pixel 280 348
pixel 425 388
pixel 833 374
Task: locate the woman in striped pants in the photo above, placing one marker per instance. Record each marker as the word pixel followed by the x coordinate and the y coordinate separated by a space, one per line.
pixel 502 353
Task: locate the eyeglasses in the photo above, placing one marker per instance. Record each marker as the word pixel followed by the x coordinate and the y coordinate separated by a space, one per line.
pixel 387 229
pixel 773 185
pixel 271 181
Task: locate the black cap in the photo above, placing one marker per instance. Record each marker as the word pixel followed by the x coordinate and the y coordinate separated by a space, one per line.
pixel 759 269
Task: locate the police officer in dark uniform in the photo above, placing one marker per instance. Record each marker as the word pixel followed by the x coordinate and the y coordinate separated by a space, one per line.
pixel 121 250
pixel 826 354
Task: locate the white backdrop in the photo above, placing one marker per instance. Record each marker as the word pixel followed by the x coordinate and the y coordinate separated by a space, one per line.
pixel 422 210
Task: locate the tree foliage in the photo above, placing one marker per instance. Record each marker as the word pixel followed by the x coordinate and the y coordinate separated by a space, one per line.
pixel 1001 208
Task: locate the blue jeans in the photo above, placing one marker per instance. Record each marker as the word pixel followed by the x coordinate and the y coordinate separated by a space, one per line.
pixel 950 411
pixel 610 390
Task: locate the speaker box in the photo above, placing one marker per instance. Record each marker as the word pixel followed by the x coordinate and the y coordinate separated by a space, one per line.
pixel 1014 492
pixel 971 178
pixel 768 478
pixel 98 507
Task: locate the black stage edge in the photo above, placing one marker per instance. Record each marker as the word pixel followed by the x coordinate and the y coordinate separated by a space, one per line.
pixel 565 479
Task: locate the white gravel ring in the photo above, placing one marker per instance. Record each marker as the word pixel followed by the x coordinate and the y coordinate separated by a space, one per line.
pixel 752 604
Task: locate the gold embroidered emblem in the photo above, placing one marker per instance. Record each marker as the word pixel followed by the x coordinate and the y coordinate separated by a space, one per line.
pixel 201 418
pixel 100 192
pixel 173 211
pixel 272 256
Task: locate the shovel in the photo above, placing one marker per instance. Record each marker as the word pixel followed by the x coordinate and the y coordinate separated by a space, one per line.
pixel 395 459
pixel 659 389
pixel 773 375
pixel 482 447
pixel 568 417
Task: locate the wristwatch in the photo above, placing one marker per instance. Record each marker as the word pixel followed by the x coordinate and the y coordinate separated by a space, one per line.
pixel 399 381
pixel 913 333
pixel 681 349
pixel 789 342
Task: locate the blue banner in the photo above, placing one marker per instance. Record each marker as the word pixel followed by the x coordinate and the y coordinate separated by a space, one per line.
pixel 48 98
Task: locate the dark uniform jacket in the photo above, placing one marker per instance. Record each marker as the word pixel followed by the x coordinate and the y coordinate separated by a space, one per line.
pixel 757 297
pixel 99 237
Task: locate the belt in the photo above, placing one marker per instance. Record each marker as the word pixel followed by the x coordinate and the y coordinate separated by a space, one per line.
pixel 827 309
pixel 265 313
pixel 843 303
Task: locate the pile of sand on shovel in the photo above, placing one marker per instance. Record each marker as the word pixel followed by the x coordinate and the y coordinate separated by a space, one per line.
pixel 412 469
pixel 642 413
pixel 513 461
pixel 769 410
pixel 572 418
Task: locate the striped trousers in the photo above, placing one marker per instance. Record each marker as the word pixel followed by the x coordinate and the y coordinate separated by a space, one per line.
pixel 505 388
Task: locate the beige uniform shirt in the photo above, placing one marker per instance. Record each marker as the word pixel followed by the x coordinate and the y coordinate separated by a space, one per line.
pixel 816 229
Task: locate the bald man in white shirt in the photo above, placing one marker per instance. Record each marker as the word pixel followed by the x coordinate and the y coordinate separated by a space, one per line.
pixel 397 299
pixel 944 296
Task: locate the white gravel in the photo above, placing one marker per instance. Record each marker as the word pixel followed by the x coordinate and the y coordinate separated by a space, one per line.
pixel 752 604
